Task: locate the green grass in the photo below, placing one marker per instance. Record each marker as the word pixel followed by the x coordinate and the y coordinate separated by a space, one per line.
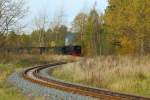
pixel 8 92
pixel 8 65
pixel 11 63
pixel 120 73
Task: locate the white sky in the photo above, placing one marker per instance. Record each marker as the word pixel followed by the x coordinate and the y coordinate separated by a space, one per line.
pixel 70 7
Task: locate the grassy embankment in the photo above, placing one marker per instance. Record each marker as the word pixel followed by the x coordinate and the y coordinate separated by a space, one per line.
pixel 11 63
pixel 120 73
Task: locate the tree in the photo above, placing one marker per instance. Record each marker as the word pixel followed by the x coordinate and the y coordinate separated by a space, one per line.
pixel 13 40
pixel 93 31
pixel 59 28
pixel 25 40
pixel 59 33
pixel 89 29
pixel 79 27
pixel 55 33
pixel 11 12
pixel 129 19
pixel 2 40
pixel 41 22
pixel 38 38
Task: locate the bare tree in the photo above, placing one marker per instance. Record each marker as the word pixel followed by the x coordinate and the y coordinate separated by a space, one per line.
pixel 58 26
pixel 41 23
pixel 58 18
pixel 11 12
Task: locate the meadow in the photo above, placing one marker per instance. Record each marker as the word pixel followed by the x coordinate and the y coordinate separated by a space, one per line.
pixel 127 74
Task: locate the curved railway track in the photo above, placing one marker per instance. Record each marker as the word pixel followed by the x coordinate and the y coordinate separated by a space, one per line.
pixel 33 75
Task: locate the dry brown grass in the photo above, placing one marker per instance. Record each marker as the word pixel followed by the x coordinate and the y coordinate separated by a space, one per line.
pixel 118 73
pixel 34 58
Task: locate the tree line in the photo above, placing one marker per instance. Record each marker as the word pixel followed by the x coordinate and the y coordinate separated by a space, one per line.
pixel 124 28
pixel 38 38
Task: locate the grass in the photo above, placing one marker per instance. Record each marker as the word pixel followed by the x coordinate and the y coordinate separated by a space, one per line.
pixel 13 62
pixel 118 73
pixel 6 91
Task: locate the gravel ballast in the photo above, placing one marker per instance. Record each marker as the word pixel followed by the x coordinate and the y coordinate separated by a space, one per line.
pixel 36 90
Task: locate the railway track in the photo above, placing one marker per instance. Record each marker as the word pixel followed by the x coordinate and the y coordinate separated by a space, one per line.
pixel 33 75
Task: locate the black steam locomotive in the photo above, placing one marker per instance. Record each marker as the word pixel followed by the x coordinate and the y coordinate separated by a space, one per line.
pixel 69 50
pixel 70 47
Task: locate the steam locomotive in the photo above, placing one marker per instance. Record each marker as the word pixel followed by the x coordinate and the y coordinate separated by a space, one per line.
pixel 71 48
pixel 68 50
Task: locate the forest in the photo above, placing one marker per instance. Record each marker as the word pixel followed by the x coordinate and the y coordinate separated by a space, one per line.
pixel 124 28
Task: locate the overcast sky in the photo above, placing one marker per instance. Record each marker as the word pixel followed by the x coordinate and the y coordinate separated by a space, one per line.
pixel 70 7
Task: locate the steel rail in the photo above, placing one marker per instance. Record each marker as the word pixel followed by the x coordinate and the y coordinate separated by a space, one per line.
pixel 33 75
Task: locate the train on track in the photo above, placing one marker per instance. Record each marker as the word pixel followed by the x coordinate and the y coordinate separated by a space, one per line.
pixel 70 47
pixel 71 50
pixel 65 50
